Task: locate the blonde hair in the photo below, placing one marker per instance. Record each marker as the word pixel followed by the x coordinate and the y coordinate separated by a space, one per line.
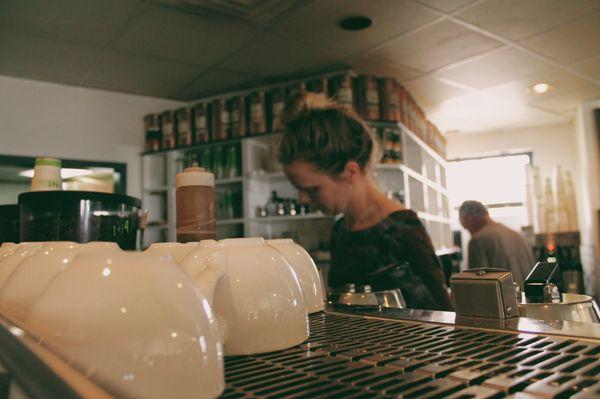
pixel 318 131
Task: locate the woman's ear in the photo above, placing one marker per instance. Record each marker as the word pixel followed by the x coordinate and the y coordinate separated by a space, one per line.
pixel 351 172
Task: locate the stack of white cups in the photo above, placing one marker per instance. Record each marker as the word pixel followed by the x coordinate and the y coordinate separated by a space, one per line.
pixel 136 322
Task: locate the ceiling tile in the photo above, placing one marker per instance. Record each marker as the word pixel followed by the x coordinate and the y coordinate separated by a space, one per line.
pixel 446 5
pixel 495 68
pixel 570 42
pixel 214 81
pixel 519 90
pixel 38 58
pixel 477 112
pixel 83 21
pixel 517 19
pixel 272 56
pixel 317 22
pixel 370 66
pixel 437 45
pixel 172 34
pixel 590 67
pixel 429 91
pixel 569 101
pixel 140 74
pixel 262 12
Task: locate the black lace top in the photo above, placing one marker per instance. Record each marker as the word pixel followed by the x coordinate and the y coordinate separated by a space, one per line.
pixel 395 253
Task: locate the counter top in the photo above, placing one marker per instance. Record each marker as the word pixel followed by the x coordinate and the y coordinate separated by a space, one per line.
pixel 588 331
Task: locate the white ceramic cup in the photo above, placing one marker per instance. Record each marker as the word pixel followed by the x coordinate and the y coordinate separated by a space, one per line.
pixel 30 277
pixel 175 251
pixel 7 248
pixel 10 261
pixel 307 272
pixel 255 294
pixel 135 324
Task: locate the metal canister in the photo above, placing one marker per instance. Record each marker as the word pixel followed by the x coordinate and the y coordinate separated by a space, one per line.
pixel 201 122
pixel 153 133
pixel 388 99
pixel 220 119
pixel 275 105
pixel 294 89
pixel 167 120
pixel 341 90
pixel 258 114
pixel 184 127
pixel 318 85
pixel 237 116
pixel 367 97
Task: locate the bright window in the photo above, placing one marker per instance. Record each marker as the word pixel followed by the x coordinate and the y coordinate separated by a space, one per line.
pixel 498 182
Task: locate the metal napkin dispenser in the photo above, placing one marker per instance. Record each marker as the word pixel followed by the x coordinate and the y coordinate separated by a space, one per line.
pixel 484 293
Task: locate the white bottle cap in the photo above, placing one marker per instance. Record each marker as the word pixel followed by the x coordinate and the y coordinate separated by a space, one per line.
pixel 194 176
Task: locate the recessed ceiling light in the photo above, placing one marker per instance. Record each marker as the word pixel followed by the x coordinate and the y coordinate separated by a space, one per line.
pixel 355 22
pixel 541 88
pixel 65 173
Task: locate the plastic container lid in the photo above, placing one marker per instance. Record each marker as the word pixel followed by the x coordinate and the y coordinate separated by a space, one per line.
pixel 194 176
pixel 48 162
pixel 60 199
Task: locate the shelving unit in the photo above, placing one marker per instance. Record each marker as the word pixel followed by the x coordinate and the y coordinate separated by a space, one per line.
pixel 420 182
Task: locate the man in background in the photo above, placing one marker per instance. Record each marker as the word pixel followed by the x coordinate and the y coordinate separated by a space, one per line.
pixel 493 244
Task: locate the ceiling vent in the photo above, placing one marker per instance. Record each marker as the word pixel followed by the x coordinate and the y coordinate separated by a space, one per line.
pixel 256 11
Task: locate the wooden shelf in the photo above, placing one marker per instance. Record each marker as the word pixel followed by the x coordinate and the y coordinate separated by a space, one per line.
pixel 402 126
pixel 425 147
pixel 420 182
pixel 410 172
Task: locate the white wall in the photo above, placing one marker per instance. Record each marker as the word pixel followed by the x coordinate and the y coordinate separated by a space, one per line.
pixel 38 118
pixel 10 192
pixel 551 145
pixel 575 147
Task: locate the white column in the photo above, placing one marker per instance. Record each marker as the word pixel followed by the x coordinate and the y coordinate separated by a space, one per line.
pixel 589 201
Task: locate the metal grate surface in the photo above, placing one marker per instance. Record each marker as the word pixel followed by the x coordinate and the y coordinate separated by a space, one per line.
pixel 356 357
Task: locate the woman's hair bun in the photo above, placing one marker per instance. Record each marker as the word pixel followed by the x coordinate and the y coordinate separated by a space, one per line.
pixel 301 104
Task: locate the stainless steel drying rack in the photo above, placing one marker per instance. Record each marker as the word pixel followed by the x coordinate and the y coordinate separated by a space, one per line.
pixel 369 353
pixel 373 353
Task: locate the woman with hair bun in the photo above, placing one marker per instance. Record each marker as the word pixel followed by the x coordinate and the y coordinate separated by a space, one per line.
pixel 328 154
